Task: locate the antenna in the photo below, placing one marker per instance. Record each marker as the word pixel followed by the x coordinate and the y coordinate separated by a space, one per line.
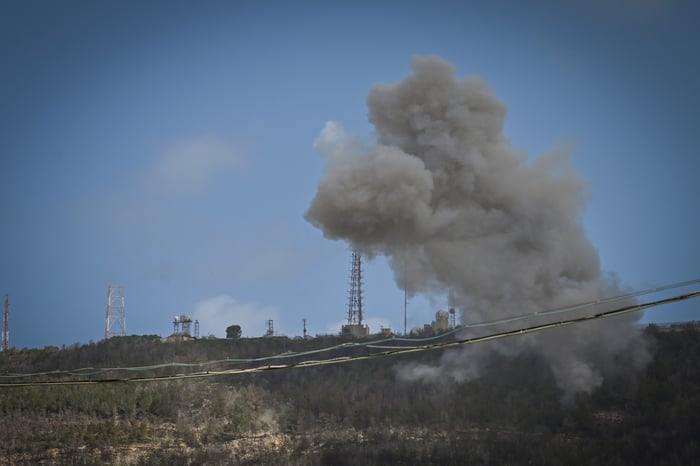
pixel 405 306
pixel 304 320
pixel 116 316
pixel 355 293
pixel 6 325
pixel 405 295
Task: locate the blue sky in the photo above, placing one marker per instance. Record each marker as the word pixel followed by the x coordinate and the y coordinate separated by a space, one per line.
pixel 167 147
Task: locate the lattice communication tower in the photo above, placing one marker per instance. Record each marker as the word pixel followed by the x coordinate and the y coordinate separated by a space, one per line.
pixel 355 292
pixel 116 315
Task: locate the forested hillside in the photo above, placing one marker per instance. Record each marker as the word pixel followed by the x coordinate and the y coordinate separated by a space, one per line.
pixel 351 413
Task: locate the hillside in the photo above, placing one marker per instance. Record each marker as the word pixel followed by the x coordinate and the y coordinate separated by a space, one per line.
pixel 351 413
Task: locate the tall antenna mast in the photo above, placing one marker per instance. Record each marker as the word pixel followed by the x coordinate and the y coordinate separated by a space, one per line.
pixel 405 296
pixel 6 325
pixel 116 316
pixel 355 293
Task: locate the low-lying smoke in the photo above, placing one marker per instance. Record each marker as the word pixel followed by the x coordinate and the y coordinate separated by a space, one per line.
pixel 456 209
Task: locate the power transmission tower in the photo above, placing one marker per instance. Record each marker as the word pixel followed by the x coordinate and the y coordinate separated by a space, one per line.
pixel 6 325
pixel 355 292
pixel 116 315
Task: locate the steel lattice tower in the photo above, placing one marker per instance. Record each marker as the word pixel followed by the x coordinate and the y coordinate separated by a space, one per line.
pixel 116 316
pixel 355 292
pixel 6 325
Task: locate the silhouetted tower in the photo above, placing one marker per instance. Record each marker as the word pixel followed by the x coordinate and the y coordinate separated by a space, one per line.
pixel 270 328
pixel 196 329
pixel 355 293
pixel 116 316
pixel 6 325
pixel 304 320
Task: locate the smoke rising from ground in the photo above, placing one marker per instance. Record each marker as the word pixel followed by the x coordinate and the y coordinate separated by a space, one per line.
pixel 456 209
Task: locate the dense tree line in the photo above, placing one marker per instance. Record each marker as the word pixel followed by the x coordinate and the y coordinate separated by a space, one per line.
pixel 351 413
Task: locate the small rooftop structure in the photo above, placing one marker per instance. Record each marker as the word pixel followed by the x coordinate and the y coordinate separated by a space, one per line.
pixel 441 323
pixel 355 330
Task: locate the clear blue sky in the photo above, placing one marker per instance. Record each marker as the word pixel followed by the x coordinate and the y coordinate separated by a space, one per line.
pixel 166 146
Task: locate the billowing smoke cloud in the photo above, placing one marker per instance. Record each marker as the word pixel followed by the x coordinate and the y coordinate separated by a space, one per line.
pixel 457 210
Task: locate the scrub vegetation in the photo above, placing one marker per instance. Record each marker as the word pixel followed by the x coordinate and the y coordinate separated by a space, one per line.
pixel 351 413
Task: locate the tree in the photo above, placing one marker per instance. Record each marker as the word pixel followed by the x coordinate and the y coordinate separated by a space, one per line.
pixel 233 331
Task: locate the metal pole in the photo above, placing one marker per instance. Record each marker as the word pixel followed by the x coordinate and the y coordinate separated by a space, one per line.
pixel 6 325
pixel 405 302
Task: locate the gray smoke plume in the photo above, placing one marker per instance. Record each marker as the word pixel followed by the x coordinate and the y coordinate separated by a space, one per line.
pixel 457 210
